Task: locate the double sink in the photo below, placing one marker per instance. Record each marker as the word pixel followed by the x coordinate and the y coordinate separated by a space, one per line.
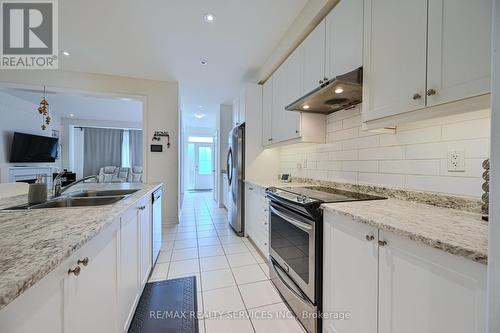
pixel 81 199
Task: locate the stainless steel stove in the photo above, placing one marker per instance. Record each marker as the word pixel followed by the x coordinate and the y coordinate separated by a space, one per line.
pixel 295 238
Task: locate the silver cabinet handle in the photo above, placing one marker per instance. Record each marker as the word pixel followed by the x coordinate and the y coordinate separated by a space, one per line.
pixel 250 188
pixel 75 271
pixel 370 238
pixel 431 92
pixel 382 243
pixel 84 261
pixel 142 207
pixel 417 96
pixel 270 139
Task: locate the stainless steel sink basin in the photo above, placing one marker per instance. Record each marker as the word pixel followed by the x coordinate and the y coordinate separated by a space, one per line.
pixel 71 202
pixel 104 193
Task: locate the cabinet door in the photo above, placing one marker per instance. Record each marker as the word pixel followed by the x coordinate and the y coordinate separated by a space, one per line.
pixel 459 50
pixel 286 89
pixel 250 213
pixel 91 296
pixel 427 290
pixel 313 59
pixel 344 38
pixel 394 57
pixel 242 108
pixel 267 110
pixel 236 112
pixel 350 261
pixel 145 240
pixel 129 280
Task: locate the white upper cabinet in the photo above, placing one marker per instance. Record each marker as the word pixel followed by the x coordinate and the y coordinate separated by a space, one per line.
pixel 394 66
pixel 344 38
pixel 313 59
pixel 423 53
pixel 459 50
pixel 286 89
pixel 236 111
pixel 267 112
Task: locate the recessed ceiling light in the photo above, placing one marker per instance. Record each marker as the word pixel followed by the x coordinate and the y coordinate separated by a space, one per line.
pixel 305 107
pixel 209 18
pixel 126 99
pixel 203 62
pixel 339 90
pixel 66 53
pixel 71 114
pixel 199 115
pixel 201 106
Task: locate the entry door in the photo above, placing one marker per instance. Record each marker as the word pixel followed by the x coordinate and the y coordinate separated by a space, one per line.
pixel 203 168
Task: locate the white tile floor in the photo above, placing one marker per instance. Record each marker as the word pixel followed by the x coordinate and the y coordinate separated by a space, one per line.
pixel 234 291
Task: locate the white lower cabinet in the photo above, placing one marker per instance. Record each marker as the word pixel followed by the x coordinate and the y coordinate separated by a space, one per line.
pixel 92 295
pixel 422 289
pixel 146 241
pixel 94 290
pixel 257 218
pixel 350 275
pixel 392 284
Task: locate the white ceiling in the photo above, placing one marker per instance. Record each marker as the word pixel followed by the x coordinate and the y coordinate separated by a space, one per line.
pixel 83 106
pixel 166 39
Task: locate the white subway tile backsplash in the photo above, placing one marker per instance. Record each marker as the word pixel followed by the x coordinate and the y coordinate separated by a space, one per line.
pixel 343 176
pixel 382 153
pixel 351 122
pixel 415 157
pixel 360 166
pixel 411 167
pixel 364 142
pixel 381 179
pixel 346 155
pixel 453 185
pixel 472 129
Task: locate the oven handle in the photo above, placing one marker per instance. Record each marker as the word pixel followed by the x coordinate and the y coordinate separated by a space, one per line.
pixel 301 225
pixel 295 291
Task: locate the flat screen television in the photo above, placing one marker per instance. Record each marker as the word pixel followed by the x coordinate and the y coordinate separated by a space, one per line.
pixel 29 148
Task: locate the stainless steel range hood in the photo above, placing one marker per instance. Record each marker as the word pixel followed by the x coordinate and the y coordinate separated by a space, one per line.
pixel 336 94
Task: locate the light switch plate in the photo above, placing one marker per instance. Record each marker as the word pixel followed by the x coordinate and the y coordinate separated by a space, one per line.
pixel 456 160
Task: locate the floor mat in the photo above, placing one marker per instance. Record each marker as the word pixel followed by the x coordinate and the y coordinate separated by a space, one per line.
pixel 167 307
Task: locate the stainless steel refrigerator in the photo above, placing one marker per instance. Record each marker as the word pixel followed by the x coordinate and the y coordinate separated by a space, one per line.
pixel 236 177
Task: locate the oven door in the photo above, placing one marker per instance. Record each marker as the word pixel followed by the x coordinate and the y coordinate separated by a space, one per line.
pixel 292 246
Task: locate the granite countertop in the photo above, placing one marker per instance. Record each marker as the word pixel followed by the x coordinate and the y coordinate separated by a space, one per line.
pixel 34 242
pixel 454 231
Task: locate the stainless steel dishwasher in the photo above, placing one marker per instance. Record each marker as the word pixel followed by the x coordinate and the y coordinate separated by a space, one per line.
pixel 157 225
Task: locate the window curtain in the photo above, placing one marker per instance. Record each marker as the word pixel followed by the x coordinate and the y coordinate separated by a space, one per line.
pixel 135 148
pixel 102 147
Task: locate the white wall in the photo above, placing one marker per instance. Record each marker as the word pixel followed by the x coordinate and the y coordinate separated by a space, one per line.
pixel 18 115
pixel 224 124
pixel 415 157
pixel 160 113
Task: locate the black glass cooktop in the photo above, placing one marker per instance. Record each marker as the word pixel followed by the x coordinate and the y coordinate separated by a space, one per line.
pixel 326 194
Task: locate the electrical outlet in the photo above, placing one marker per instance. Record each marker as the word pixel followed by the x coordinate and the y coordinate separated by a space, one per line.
pixel 456 161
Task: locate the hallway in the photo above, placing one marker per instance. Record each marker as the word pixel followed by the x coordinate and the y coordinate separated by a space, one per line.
pixel 234 291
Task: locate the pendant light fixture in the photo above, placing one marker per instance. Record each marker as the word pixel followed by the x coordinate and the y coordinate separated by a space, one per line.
pixel 43 109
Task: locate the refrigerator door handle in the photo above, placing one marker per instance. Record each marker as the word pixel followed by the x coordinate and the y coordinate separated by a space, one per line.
pixel 229 169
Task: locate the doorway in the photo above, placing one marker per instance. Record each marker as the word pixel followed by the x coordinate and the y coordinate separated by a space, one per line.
pixel 200 163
